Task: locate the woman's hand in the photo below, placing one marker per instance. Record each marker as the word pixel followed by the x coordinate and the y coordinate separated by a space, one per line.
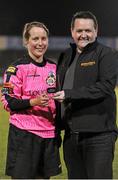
pixel 41 100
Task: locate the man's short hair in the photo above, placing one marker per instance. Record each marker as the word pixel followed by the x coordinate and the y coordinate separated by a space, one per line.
pixel 84 15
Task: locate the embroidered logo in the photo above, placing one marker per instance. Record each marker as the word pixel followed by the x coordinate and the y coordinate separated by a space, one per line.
pixel 50 80
pixel 11 70
pixel 90 63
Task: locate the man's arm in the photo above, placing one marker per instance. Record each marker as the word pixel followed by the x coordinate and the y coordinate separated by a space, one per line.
pixel 102 88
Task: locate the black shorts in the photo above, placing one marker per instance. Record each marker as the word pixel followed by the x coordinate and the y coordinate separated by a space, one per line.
pixel 30 156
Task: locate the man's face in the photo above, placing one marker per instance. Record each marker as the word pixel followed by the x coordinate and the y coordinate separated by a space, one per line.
pixel 83 32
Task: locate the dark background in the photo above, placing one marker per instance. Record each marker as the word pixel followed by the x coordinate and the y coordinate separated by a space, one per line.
pixel 56 15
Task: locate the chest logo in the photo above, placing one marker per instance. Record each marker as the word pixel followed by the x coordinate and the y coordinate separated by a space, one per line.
pixel 51 79
pixel 90 63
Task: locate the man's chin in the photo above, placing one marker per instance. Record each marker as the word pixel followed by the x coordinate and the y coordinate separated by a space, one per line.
pixel 85 44
pixel 82 46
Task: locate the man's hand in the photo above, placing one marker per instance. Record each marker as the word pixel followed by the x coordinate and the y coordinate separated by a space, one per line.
pixel 59 96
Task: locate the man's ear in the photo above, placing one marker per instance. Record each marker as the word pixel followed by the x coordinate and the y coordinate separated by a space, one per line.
pixel 71 32
pixel 96 31
pixel 25 42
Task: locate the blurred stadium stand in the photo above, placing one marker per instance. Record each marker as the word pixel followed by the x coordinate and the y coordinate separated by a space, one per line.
pixel 11 48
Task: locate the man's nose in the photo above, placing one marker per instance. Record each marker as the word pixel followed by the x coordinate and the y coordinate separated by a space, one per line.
pixel 83 34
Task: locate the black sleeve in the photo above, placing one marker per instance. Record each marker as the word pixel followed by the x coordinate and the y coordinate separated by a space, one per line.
pixel 102 88
pixel 17 104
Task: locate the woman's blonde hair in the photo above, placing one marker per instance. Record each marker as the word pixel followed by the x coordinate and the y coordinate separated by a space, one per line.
pixel 28 27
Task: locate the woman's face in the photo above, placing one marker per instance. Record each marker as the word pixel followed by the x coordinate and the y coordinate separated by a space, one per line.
pixel 37 43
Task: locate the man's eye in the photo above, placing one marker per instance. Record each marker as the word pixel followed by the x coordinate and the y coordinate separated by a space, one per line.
pixel 79 31
pixel 88 30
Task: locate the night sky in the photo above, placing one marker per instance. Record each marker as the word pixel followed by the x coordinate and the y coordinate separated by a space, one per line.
pixel 56 15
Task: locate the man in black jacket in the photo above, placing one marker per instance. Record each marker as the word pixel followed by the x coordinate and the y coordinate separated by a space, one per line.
pixel 87 73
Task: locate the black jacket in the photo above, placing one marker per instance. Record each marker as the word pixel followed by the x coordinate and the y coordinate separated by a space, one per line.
pixel 93 100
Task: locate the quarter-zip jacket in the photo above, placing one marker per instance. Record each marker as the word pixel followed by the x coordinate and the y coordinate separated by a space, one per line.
pixel 93 100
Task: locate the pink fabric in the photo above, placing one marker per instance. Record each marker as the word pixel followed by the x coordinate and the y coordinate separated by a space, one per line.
pixel 30 81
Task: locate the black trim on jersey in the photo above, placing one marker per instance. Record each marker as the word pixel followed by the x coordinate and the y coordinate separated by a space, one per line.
pixel 17 104
pixel 8 77
pixel 40 64
pixel 43 63
pixel 26 59
pixel 23 60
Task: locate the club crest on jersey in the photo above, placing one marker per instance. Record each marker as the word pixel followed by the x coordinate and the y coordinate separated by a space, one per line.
pixel 50 80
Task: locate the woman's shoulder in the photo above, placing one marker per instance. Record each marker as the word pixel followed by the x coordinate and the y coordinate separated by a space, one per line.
pixel 21 60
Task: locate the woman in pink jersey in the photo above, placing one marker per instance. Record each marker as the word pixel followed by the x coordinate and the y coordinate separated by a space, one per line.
pixel 27 93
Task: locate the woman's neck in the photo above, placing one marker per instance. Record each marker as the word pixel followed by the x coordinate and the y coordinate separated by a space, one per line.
pixel 39 60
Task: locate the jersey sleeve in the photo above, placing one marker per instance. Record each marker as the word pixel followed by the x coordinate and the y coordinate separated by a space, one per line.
pixel 12 90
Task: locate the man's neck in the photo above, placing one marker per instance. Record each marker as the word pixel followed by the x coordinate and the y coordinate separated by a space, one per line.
pixel 79 50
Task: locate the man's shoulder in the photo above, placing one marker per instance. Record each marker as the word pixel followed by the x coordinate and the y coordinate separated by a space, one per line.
pixel 67 52
pixel 51 60
pixel 104 49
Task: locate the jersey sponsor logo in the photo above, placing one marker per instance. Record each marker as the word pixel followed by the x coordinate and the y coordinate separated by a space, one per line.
pixel 34 93
pixel 51 79
pixel 85 64
pixel 11 70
